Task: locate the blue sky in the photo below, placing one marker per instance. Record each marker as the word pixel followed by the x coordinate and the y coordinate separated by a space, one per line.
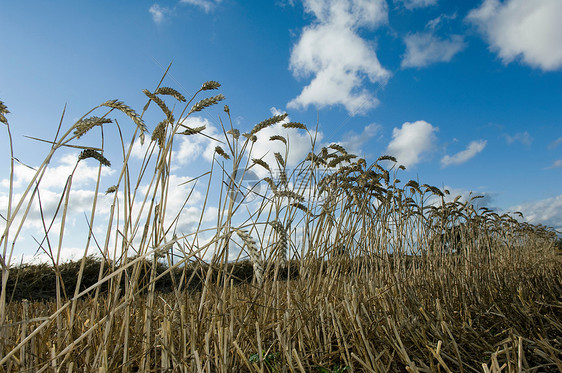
pixel 465 94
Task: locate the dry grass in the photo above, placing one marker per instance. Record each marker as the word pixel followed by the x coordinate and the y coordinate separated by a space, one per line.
pixel 352 269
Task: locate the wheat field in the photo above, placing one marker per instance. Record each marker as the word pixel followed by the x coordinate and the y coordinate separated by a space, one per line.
pixel 348 270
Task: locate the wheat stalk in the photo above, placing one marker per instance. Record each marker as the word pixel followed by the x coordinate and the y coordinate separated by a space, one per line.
pixel 254 253
pixel 249 136
pixel 280 159
pixel 161 104
pixel 268 122
pixel 410 265
pixel 262 163
pixel 289 194
pixel 159 133
pixel 170 92
pixel 271 184
pixel 234 132
pixel 84 125
pixel 339 148
pixel 295 125
pixel 206 102
pixel 193 131
pixel 283 241
pixel 115 104
pixel 3 112
pixel 342 158
pixel 90 153
pixel 210 85
pixel 278 138
pixel 221 152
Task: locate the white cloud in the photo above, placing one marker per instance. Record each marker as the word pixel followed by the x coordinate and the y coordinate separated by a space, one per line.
pixel 298 140
pixel 547 212
pixel 476 199
pixel 48 214
pixel 49 204
pixel 436 22
pixel 52 202
pixel 412 4
pixel 188 211
pixel 206 5
pixel 158 13
pixel 524 29
pixel 471 150
pixel 353 141
pixel 191 147
pixel 339 60
pixel 555 143
pixel 56 175
pixel 556 164
pixel 139 150
pixel 425 48
pixel 522 137
pixel 411 141
pixel 66 254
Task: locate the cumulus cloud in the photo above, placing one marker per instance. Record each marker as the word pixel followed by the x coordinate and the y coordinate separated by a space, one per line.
pixel 184 206
pixel 476 199
pixel 206 5
pixel 425 48
pixel 48 206
pixel 413 4
pixel 524 29
pixel 547 212
pixel 192 147
pixel 471 150
pixel 522 137
pixel 56 175
pixel 338 59
pixel 181 215
pixel 298 140
pixel 158 13
pixel 410 142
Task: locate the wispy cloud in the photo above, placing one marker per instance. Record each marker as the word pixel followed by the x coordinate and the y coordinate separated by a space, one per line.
pixel 545 211
pixel 159 13
pixel 556 164
pixel 524 29
pixel 336 56
pixel 471 150
pixel 411 141
pixel 425 48
pixel 522 137
pixel 413 4
pixel 206 5
pixel 555 143
pixel 353 142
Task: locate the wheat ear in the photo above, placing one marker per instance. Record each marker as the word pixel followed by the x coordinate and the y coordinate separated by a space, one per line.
pixel 255 256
